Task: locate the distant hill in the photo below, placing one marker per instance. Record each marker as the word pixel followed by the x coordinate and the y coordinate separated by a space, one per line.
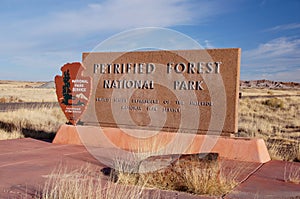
pixel 50 84
pixel 269 84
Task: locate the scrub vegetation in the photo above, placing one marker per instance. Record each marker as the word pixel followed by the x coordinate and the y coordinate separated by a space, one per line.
pixel 213 179
pixel 276 120
pixel 36 122
pixel 40 123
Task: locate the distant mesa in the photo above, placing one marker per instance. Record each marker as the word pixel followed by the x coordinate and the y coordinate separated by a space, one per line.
pixel 269 84
pixel 50 84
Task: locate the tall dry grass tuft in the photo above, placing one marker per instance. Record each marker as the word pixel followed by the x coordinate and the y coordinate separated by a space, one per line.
pixel 292 173
pixel 76 184
pixel 212 181
pixel 87 183
pixel 274 103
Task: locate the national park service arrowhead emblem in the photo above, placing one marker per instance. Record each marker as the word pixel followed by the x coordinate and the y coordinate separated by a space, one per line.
pixel 73 91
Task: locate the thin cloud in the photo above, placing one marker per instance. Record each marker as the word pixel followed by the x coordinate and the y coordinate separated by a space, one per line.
pixel 287 76
pixel 290 26
pixel 29 42
pixel 208 44
pixel 263 3
pixel 107 17
pixel 278 58
pixel 119 15
pixel 283 48
pixel 148 38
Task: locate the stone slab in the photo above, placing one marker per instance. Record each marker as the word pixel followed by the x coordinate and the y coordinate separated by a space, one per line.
pixel 172 162
pixel 193 91
pixel 240 149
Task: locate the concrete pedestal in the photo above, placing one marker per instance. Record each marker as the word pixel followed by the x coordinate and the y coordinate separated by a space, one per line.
pixel 240 149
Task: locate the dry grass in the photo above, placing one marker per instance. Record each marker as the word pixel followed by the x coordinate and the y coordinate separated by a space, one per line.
pixel 200 178
pixel 266 92
pixel 75 184
pixel 41 123
pixel 196 177
pixel 213 180
pixel 11 91
pixel 276 120
pixel 4 135
pixel 87 183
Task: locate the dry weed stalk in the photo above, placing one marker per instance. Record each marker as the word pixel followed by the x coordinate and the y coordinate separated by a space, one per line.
pixel 86 183
pixel 292 173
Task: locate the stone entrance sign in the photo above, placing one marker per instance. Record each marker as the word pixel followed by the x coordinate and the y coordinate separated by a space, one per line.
pixel 193 91
pixel 156 102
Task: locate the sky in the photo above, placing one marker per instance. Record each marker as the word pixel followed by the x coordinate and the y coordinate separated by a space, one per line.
pixel 40 36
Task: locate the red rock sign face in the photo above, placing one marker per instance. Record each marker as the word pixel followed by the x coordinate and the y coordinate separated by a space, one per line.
pixel 73 91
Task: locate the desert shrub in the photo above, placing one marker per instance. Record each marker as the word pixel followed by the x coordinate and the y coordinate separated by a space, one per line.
pixel 196 178
pixel 2 100
pixel 10 99
pixel 273 103
pixel 283 149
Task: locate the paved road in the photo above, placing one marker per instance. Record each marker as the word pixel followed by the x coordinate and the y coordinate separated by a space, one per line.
pixel 25 165
pixel 14 106
pixel 269 96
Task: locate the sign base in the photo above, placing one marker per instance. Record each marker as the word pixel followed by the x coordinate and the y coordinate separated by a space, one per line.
pixel 240 149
